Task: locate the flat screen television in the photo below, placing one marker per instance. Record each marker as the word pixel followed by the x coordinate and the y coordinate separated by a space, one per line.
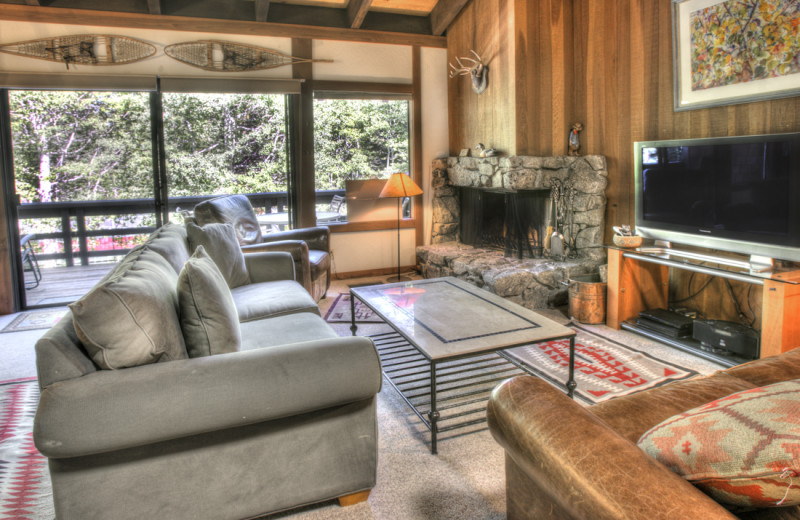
pixel 737 194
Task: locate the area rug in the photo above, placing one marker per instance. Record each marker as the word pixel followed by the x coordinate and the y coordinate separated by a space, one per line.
pixel 25 492
pixel 340 311
pixel 604 368
pixel 34 320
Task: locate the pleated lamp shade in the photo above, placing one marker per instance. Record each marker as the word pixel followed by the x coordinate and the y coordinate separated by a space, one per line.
pixel 400 185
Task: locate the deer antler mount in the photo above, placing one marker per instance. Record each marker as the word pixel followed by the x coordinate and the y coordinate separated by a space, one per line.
pixel 475 68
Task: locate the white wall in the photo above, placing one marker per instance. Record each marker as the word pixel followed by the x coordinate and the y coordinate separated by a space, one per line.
pixel 435 138
pixel 353 252
pixel 161 64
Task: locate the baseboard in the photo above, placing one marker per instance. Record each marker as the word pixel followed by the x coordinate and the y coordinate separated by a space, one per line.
pixel 384 271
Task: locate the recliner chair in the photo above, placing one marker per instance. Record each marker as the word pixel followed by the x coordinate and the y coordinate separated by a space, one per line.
pixel 309 247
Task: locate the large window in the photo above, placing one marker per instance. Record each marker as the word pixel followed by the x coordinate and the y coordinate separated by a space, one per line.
pixel 225 143
pixel 357 140
pixel 220 143
pixel 92 181
pixel 83 172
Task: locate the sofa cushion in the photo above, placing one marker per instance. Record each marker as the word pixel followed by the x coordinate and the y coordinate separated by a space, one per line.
pixel 208 314
pixel 743 449
pixel 170 241
pixel 284 330
pixel 632 416
pixel 219 241
pixel 130 318
pixel 267 299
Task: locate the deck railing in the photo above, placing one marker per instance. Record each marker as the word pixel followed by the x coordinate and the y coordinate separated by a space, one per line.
pixel 83 243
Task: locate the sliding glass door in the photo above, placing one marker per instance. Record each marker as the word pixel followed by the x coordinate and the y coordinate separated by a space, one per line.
pixel 83 175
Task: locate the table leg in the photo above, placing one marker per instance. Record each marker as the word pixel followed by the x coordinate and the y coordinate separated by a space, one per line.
pixel 571 384
pixel 353 326
pixel 433 415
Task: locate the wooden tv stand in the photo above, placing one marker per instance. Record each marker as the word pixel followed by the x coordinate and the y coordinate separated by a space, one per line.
pixel 639 281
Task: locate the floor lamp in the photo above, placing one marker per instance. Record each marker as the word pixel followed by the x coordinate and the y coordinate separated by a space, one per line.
pixel 398 187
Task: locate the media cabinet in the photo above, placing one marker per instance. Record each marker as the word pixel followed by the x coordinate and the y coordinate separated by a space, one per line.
pixel 639 280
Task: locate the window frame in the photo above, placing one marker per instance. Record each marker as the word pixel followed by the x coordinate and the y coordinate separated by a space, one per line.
pixel 321 89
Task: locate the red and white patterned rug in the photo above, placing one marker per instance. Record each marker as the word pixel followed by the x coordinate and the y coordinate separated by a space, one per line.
pixel 604 368
pixel 25 492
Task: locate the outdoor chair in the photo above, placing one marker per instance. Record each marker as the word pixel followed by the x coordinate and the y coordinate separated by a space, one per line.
pixel 337 202
pixel 29 262
pixel 309 247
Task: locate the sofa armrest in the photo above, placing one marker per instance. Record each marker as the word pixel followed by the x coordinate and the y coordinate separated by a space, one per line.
pixel 582 466
pixel 268 267
pixel 299 251
pixel 316 237
pixel 116 409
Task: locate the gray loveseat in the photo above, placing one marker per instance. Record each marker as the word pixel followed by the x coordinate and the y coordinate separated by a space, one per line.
pixel 288 419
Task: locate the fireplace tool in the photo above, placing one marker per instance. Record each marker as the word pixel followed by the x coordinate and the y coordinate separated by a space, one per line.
pixel 570 193
pixel 556 239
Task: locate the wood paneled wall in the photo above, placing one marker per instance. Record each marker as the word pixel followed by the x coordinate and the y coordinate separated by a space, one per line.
pixel 544 76
pixel 607 64
pixel 485 26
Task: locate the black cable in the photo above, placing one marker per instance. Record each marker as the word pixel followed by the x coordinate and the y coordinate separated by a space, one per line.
pixel 743 318
pixel 689 287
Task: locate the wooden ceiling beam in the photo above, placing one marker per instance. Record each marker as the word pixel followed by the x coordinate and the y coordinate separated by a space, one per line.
pixel 58 15
pixel 356 11
pixel 443 14
pixel 154 6
pixel 32 2
pixel 262 8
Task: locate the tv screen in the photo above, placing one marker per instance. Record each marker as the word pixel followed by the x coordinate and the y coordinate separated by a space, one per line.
pixel 735 188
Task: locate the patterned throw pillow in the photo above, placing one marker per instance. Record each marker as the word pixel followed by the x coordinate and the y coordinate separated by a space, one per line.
pixel 743 449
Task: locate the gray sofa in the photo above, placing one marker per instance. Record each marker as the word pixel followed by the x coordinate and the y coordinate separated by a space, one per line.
pixel 288 419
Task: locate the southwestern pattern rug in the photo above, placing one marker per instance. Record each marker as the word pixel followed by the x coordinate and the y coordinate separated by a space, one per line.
pixel 34 320
pixel 340 311
pixel 25 492
pixel 604 368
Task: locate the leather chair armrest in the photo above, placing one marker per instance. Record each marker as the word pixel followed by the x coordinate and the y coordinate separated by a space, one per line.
pixel 316 237
pixel 581 465
pixel 268 267
pixel 299 251
pixel 110 410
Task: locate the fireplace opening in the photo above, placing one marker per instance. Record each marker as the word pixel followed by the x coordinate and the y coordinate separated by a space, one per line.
pixel 514 221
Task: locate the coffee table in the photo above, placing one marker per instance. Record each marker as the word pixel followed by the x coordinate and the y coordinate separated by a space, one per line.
pixel 440 320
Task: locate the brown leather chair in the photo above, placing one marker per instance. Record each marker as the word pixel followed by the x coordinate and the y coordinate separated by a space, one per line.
pixel 309 247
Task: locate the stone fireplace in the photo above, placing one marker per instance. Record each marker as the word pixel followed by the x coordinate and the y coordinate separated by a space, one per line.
pixel 502 246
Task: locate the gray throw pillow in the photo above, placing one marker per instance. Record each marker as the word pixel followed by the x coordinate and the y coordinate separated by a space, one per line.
pixel 130 318
pixel 222 246
pixel 208 314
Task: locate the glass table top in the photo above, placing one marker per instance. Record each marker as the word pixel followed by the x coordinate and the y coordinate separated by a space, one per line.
pixel 447 317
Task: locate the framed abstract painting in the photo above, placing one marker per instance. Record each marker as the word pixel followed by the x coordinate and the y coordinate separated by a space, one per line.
pixel 735 51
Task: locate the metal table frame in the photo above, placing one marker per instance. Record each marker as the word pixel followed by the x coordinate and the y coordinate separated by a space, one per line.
pixel 396 349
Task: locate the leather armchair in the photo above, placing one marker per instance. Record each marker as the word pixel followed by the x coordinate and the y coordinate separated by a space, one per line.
pixel 309 247
pixel 566 461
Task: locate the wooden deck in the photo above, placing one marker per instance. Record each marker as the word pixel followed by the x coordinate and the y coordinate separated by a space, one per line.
pixel 62 285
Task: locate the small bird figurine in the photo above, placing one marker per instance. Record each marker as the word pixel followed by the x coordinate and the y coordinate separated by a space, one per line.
pixel 574 138
pixel 482 151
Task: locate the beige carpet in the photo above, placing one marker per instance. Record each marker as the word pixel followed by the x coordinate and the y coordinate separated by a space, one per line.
pixel 464 481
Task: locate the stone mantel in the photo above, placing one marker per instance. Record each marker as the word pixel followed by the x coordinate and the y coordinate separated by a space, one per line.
pixel 532 282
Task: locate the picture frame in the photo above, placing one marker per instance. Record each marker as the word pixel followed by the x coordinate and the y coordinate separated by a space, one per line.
pixel 728 52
